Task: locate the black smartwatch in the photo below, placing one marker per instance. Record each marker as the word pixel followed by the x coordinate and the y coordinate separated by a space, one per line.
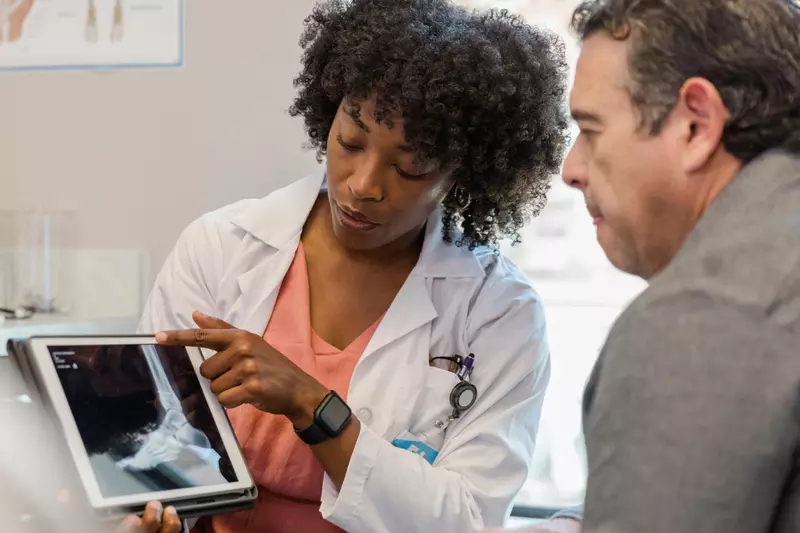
pixel 331 417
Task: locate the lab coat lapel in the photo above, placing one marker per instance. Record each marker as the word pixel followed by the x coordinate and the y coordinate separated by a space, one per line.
pixel 259 289
pixel 413 307
pixel 274 224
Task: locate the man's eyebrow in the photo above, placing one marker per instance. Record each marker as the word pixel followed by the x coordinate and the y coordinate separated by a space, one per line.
pixel 580 115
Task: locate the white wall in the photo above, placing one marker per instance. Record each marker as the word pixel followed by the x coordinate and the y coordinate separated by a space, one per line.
pixel 137 155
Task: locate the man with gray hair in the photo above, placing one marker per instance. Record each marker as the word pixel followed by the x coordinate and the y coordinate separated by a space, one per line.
pixel 689 161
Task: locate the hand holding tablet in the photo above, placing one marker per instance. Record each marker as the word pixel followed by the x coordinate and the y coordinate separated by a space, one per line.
pixel 155 519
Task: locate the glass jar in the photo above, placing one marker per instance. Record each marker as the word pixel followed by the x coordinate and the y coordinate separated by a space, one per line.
pixel 41 245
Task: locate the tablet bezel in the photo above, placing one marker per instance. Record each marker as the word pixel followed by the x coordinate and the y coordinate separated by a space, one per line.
pixel 53 389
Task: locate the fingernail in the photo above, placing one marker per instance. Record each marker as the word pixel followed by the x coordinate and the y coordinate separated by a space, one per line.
pixel 161 337
pixel 156 506
pixel 171 511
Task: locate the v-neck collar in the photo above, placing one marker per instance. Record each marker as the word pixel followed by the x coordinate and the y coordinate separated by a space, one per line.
pixel 319 345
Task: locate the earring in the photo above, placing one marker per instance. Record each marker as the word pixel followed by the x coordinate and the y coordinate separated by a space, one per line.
pixel 463 198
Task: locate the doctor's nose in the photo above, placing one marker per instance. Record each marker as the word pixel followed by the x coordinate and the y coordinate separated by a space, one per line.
pixel 366 184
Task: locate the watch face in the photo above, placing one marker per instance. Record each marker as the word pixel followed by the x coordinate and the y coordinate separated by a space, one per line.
pixel 334 415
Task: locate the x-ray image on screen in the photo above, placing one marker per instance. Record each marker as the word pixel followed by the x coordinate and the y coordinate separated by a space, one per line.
pixel 142 417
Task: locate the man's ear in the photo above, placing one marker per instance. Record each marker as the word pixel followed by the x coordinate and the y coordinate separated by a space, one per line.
pixel 703 115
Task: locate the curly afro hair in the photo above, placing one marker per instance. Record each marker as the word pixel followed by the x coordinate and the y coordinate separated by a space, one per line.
pixel 480 92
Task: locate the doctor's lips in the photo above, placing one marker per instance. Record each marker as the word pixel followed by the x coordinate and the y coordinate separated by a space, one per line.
pixel 354 219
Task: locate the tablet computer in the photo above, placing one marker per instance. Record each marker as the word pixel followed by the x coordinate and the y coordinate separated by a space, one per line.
pixel 141 424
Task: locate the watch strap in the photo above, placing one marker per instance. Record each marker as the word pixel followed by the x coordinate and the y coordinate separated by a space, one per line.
pixel 313 434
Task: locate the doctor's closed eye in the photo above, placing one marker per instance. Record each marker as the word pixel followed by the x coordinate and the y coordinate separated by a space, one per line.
pixel 347 146
pixel 411 175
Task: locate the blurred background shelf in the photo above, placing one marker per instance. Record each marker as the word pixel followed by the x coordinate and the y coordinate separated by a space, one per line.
pixel 64 325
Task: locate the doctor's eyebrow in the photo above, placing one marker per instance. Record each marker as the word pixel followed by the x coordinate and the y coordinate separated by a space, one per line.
pixel 350 112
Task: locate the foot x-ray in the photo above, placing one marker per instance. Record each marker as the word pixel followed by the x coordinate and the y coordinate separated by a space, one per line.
pixel 174 433
pixel 143 418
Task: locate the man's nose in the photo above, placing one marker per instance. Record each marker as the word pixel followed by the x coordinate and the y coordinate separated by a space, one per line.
pixel 574 173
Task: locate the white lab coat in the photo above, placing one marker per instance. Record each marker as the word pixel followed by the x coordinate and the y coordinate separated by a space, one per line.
pixel 230 264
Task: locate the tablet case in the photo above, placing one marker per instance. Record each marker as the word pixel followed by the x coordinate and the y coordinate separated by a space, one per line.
pixel 17 352
pixel 20 353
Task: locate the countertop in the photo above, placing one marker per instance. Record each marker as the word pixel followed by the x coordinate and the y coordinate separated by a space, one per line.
pixel 10 383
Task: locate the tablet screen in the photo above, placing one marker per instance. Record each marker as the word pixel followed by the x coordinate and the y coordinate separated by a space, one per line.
pixel 142 417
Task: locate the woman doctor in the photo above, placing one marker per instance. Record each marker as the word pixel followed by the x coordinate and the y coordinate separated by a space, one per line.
pixel 359 281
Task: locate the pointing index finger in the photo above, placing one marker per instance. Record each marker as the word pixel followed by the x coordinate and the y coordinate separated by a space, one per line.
pixel 215 339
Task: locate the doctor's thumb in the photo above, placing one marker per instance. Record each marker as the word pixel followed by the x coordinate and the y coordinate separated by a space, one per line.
pixel 209 322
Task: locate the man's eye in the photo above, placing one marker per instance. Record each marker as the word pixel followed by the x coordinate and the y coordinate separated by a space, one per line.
pixel 588 137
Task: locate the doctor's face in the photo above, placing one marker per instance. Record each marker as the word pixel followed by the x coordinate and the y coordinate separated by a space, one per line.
pixel 379 195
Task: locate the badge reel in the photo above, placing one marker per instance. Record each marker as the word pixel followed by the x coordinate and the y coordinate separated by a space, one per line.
pixel 462 398
pixel 464 394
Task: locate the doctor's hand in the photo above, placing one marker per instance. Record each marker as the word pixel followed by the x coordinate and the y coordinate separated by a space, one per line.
pixel 246 369
pixel 156 519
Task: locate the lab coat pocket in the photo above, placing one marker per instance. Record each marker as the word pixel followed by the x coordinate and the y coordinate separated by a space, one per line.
pixel 433 406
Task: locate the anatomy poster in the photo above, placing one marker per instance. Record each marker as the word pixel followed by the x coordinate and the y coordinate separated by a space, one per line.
pixel 91 34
